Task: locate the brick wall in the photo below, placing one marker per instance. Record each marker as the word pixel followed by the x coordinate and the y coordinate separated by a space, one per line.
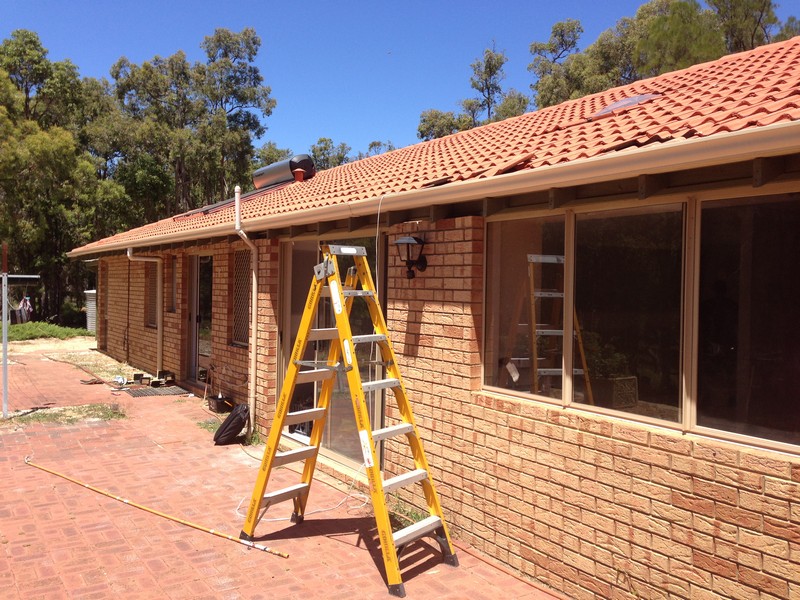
pixel 592 506
pixel 129 340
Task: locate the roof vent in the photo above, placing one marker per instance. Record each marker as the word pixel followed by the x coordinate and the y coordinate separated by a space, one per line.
pixel 285 170
pixel 619 105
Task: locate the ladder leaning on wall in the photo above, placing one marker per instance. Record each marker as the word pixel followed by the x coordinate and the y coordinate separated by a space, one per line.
pixel 342 359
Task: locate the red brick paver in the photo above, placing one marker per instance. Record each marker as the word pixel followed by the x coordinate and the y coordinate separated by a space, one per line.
pixel 61 540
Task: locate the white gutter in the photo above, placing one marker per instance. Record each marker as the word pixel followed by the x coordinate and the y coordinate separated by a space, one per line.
pixel 253 311
pixel 721 148
pixel 159 304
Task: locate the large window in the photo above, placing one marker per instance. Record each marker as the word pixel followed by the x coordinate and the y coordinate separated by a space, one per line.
pixel 649 336
pixel 628 287
pixel 748 358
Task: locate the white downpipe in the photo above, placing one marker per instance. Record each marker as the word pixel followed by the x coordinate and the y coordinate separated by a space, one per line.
pixel 159 304
pixel 251 400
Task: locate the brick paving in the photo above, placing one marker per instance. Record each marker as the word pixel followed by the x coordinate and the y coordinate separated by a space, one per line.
pixel 61 540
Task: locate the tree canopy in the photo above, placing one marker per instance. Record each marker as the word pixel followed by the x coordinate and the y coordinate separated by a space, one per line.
pixel 663 36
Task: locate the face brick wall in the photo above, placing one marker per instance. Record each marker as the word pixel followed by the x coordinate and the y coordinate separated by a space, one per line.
pixel 592 506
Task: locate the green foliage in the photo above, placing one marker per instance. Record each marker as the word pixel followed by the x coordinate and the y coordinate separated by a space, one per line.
pixel 664 35
pixel 39 329
pixel 487 75
pixel 684 35
pixel 326 154
pixel 269 153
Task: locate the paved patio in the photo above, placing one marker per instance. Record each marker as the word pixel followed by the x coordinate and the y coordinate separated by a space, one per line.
pixel 61 540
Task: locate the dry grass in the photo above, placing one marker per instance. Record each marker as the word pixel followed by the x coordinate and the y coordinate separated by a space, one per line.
pixel 96 363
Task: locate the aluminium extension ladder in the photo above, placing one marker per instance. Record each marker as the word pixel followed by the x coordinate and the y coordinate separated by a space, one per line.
pixel 342 359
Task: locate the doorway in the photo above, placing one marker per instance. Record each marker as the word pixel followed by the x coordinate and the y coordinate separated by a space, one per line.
pixel 340 439
pixel 200 317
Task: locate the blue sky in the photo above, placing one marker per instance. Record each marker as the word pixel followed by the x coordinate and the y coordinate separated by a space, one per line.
pixel 351 71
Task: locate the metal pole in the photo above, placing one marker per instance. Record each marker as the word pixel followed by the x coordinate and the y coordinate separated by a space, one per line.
pixel 5 330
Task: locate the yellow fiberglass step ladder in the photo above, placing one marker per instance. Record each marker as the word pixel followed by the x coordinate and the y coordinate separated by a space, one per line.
pixel 342 360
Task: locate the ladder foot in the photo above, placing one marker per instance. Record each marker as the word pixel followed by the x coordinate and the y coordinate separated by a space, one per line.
pixel 296 518
pixel 451 559
pixel 448 555
pixel 397 590
pixel 245 536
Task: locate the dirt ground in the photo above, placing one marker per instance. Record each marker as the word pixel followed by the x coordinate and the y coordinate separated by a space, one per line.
pixel 74 344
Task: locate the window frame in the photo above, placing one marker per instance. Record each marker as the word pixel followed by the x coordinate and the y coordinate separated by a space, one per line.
pixel 687 412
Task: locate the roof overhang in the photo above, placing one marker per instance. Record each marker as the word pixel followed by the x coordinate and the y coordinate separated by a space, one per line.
pixel 680 154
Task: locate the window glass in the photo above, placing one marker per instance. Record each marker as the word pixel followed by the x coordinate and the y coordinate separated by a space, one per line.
pixel 525 285
pixel 628 288
pixel 749 333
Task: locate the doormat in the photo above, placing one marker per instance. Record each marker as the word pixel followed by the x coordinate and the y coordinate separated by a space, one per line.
pixel 170 390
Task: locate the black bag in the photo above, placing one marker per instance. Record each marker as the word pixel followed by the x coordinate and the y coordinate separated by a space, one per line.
pixel 232 426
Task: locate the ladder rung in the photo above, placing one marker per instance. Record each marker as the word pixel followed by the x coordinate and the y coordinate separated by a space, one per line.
pixel 548 372
pixel 314 375
pixel 379 384
pixel 552 259
pixel 392 431
pixel 548 294
pixel 549 332
pixel 294 455
pixel 302 416
pixel 288 493
pixel 366 339
pixel 328 333
pixel 416 530
pixel 341 250
pixel 404 479
pixel 357 293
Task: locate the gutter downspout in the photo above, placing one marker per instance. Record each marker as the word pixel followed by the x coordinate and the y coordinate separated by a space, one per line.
pixel 159 304
pixel 251 401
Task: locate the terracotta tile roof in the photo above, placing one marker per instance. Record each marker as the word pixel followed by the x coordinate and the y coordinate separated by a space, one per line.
pixel 737 92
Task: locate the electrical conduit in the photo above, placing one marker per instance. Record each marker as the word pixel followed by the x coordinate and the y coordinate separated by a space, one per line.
pixel 251 400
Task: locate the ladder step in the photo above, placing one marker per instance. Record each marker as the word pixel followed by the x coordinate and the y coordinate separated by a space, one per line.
pixel 548 294
pixel 328 333
pixel 326 293
pixel 315 375
pixel 366 339
pixel 416 530
pixel 302 416
pixel 379 384
pixel 288 493
pixel 549 332
pixel 552 259
pixel 549 372
pixel 294 455
pixel 405 479
pixel 392 431
pixel 358 293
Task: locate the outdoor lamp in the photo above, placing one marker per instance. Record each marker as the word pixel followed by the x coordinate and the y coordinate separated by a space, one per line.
pixel 410 250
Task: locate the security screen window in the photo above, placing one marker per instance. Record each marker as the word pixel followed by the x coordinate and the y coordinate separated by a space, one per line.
pixel 748 359
pixel 628 290
pixel 525 306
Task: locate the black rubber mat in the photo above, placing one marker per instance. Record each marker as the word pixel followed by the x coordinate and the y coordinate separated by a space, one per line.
pixel 169 390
